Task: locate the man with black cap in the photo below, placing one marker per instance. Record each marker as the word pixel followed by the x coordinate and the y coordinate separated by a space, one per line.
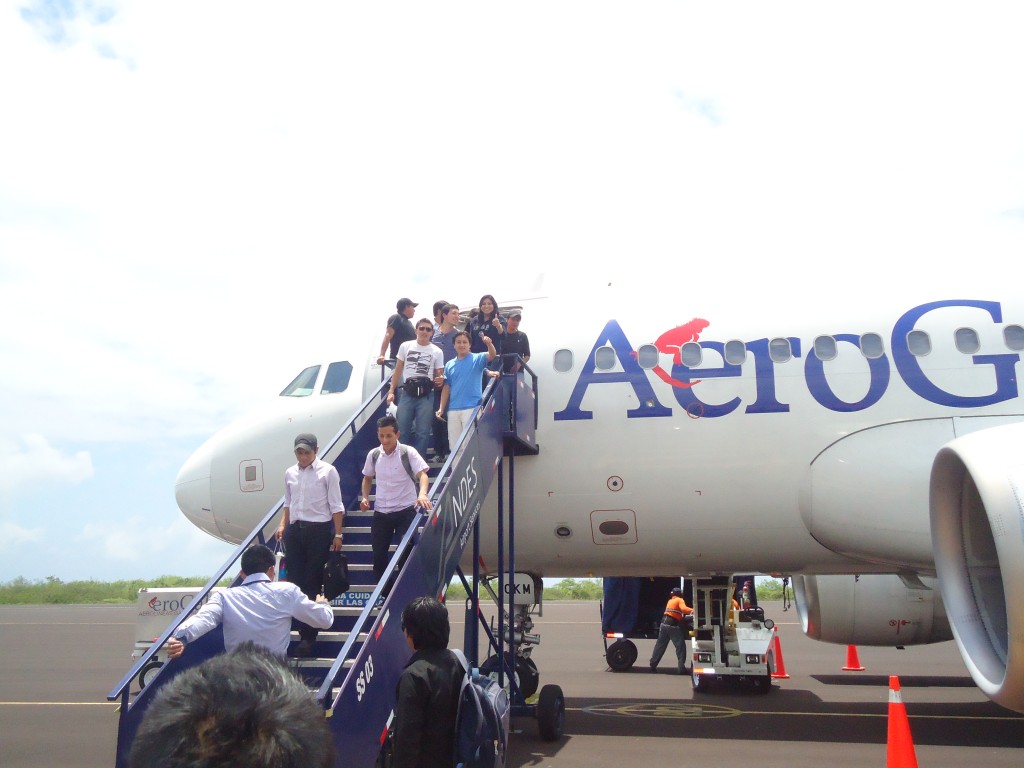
pixel 399 330
pixel 514 341
pixel 672 628
pixel 311 525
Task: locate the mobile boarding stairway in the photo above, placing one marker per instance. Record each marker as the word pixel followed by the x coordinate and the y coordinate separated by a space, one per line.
pixel 357 662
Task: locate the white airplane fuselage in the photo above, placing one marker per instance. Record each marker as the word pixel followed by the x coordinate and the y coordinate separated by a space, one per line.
pixel 799 447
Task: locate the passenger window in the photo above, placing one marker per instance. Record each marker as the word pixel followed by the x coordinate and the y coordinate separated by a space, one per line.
pixel 825 348
pixel 1013 335
pixel 919 343
pixel 691 354
pixel 604 358
pixel 337 378
pixel 563 360
pixel 302 385
pixel 648 357
pixel 735 352
pixel 967 340
pixel 779 350
pixel 871 346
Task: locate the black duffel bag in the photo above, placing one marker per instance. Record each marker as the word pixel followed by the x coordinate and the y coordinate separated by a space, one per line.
pixel 335 575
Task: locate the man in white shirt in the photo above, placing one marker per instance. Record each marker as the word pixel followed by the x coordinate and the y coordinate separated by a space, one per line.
pixel 311 525
pixel 399 470
pixel 259 610
pixel 418 371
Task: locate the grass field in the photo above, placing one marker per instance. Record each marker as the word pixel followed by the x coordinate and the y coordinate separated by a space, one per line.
pixel 52 590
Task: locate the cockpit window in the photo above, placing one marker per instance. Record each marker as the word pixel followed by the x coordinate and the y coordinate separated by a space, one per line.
pixel 337 378
pixel 302 385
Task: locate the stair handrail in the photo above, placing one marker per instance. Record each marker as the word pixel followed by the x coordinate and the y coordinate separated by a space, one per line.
pixel 370 403
pixel 366 616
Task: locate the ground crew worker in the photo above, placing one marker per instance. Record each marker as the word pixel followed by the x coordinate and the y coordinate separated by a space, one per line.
pixel 672 628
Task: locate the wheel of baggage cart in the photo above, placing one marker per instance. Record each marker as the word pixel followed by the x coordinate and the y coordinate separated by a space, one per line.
pixel 701 683
pixel 527 675
pixel 551 713
pixel 148 670
pixel 620 655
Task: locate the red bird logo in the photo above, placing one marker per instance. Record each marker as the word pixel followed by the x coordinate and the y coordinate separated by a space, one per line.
pixel 671 342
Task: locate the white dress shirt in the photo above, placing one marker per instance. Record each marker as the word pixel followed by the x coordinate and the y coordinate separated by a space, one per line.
pixel 260 610
pixel 312 494
pixel 395 490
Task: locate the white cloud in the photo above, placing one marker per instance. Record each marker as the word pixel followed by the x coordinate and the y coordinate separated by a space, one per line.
pixel 36 463
pixel 170 546
pixel 199 199
pixel 16 535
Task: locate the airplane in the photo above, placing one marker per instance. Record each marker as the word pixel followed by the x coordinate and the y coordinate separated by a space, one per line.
pixel 875 455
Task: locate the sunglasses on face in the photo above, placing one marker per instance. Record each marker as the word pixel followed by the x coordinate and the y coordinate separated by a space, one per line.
pixel 425 329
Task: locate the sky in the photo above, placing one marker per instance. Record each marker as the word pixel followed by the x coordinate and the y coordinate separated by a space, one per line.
pixel 197 200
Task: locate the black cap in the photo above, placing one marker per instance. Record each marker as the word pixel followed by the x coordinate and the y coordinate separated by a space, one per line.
pixel 403 303
pixel 306 440
pixel 677 591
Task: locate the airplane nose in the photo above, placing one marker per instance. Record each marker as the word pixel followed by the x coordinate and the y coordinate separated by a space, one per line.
pixel 192 491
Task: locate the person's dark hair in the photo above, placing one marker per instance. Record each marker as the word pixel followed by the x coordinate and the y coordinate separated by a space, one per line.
pixel 484 317
pixel 425 620
pixel 426 320
pixel 257 559
pixel 387 421
pixel 240 708
pixel 463 333
pixel 448 308
pixel 439 305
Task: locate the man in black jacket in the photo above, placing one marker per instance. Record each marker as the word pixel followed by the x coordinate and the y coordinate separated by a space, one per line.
pixel 428 690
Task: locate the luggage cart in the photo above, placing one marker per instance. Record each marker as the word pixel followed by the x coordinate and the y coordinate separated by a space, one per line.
pixel 631 610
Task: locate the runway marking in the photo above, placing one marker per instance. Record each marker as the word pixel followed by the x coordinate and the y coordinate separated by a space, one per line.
pixel 714 711
pixel 663 711
pixel 59 704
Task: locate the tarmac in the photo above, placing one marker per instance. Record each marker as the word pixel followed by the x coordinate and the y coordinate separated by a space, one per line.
pixel 59 663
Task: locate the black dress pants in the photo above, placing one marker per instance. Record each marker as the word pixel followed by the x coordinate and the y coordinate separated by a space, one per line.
pixel 307 545
pixel 383 529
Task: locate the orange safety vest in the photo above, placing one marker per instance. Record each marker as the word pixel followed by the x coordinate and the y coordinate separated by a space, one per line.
pixel 677 608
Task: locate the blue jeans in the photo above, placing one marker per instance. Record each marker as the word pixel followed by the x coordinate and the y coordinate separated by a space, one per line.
pixel 416 421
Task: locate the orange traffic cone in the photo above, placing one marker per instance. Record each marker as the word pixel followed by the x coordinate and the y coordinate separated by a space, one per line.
pixel 780 663
pixel 852 662
pixel 900 746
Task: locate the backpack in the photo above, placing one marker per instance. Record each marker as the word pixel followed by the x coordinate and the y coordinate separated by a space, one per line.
pixel 375 455
pixel 482 721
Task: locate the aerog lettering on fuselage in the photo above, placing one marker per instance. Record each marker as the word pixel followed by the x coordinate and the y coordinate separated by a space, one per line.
pixel 880 371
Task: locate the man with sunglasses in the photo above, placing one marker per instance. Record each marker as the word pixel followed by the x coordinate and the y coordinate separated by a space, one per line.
pixel 418 371
pixel 311 526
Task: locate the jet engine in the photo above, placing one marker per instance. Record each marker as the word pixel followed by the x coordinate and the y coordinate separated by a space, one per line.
pixel 977 521
pixel 874 609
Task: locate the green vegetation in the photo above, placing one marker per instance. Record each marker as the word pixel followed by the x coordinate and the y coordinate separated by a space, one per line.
pixel 769 589
pixel 52 590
